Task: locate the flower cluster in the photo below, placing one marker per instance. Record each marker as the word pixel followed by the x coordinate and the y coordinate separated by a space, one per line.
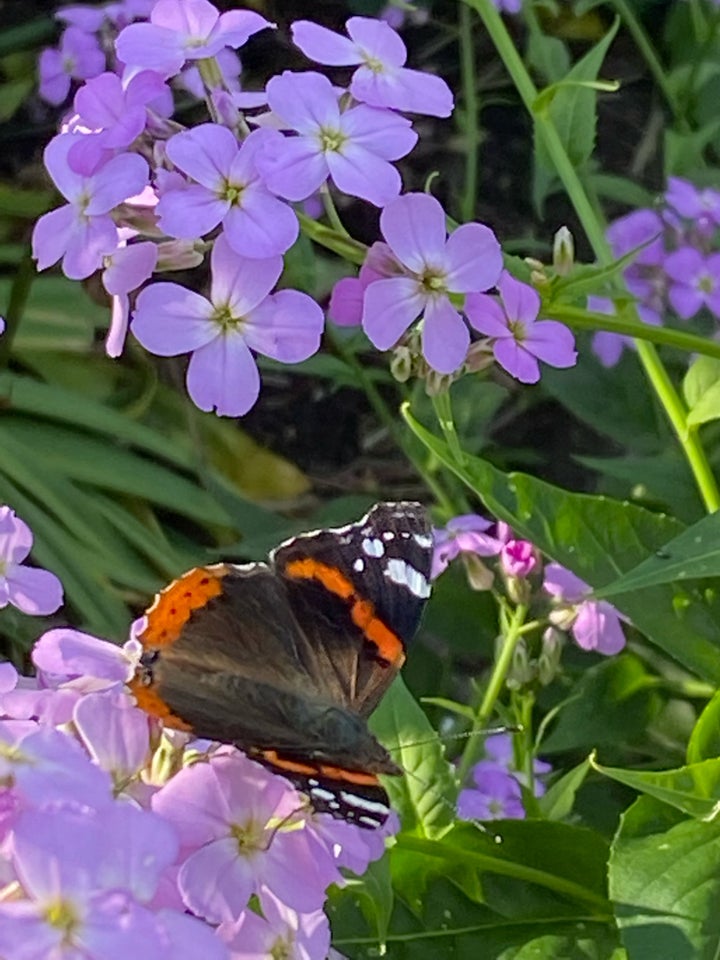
pixel 117 839
pixel 676 267
pixel 496 793
pixel 563 599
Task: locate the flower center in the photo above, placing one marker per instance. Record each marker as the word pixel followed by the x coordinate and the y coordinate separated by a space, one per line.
pixel 224 318
pixel 281 950
pixel 433 281
pixel 517 328
pixel 62 915
pixel 706 283
pixel 249 836
pixel 232 192
pixel 372 63
pixel 332 141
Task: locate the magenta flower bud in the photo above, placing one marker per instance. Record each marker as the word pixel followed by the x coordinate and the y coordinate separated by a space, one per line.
pixel 518 558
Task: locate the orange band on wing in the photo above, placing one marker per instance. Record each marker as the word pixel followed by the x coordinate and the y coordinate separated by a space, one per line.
pixel 320 770
pixel 151 702
pixel 173 606
pixel 388 644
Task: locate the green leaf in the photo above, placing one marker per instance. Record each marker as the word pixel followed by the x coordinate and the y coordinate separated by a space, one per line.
pixel 704 741
pixel 665 883
pixel 694 789
pixel 425 796
pixel 558 801
pixel 693 554
pixel 571 106
pixel 598 539
pixel 701 388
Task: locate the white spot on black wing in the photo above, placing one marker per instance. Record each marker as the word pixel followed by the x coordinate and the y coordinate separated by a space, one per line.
pixel 373 547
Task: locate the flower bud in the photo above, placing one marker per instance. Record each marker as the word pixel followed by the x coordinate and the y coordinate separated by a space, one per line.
pixel 401 365
pixel 549 660
pixel 563 252
pixel 479 576
pixel 563 616
pixel 522 669
pixel 178 255
pixel 518 558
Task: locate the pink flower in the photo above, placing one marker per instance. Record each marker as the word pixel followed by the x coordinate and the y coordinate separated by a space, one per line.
pixel 181 30
pixel 82 232
pixel 353 147
pixel 381 80
pixel 595 624
pixel 435 267
pixel 467 533
pixel 228 190
pixel 519 338
pixel 518 558
pixel 241 315
pixel 34 591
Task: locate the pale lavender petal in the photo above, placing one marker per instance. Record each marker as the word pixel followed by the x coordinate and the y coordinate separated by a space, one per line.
pixel 305 102
pixel 552 342
pixel 191 212
pixel 217 881
pixel 117 331
pixel 290 328
pixel 82 54
pixel 34 591
pixel 389 309
pixel 89 242
pixel 223 376
pixel 189 938
pixel 145 87
pixel 89 19
pixel 564 584
pixel 204 153
pixel 26 935
pixel 16 537
pixel 685 300
pixel 609 347
pixel 100 101
pixel 380 132
pixel 261 226
pixel 414 227
pixel 240 283
pixel 295 168
pixel 378 40
pixel 130 266
pixel 516 360
pixel 55 157
pixel 346 302
pixel 191 18
pixel 117 928
pixel 683 196
pixel 8 677
pixel 122 177
pixel 486 315
pixel 409 90
pixel 115 733
pixel 169 319
pixel 51 235
pixel 522 302
pixel 54 81
pixel 235 27
pixel 360 173
pixel 323 45
pixel 68 654
pixel 684 264
pixel 445 336
pixel 474 258
pixel 151 47
pixel 597 627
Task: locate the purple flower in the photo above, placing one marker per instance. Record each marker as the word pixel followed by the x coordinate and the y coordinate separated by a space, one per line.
pixel 695 281
pixel 82 231
pixel 608 347
pixel 594 624
pixel 381 80
pixel 467 533
pixel 496 795
pixel 79 56
pixel 241 315
pixel 508 6
pixel 692 203
pixel 116 112
pixel 34 591
pixel 228 190
pixel 518 558
pixel 640 228
pixel 181 30
pixel 353 147
pixel 226 814
pixel 65 654
pixel 436 267
pixel 346 301
pixel 125 269
pixel 519 338
pixel 499 749
pixel 280 933
pixel 115 733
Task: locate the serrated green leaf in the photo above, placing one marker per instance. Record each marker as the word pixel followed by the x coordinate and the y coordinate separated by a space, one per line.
pixel 599 539
pixel 693 554
pixel 665 883
pixel 694 789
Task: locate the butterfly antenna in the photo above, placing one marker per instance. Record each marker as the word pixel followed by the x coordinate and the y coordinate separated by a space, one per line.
pixel 465 735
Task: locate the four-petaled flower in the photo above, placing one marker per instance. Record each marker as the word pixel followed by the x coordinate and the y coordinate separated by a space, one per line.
pixel 30 589
pixel 241 315
pixel 695 281
pixel 594 624
pixel 436 268
pixel 519 338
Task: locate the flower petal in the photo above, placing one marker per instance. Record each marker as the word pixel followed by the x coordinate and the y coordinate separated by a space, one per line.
pixel 34 591
pixel 223 376
pixel 359 173
pixel 51 235
pixel 486 315
pixel 323 45
pixel 240 283
pixel 522 302
pixel 516 360
pixel 445 336
pixel 304 102
pixel 474 258
pixel 378 40
pixel 552 342
pixel 289 329
pixel 409 90
pixel 120 178
pixel 204 153
pixel 170 319
pixel 390 307
pixel 381 132
pixel 261 226
pixel 191 212
pixel 414 227
pixel 293 167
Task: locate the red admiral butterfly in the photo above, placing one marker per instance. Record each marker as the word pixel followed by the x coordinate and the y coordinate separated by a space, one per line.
pixel 288 659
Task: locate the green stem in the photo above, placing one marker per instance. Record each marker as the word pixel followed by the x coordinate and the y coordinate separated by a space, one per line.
pixel 494 687
pixel 471 108
pixel 586 320
pixel 700 58
pixel 19 293
pixel 442 405
pixel 331 212
pixel 651 58
pixel 595 231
